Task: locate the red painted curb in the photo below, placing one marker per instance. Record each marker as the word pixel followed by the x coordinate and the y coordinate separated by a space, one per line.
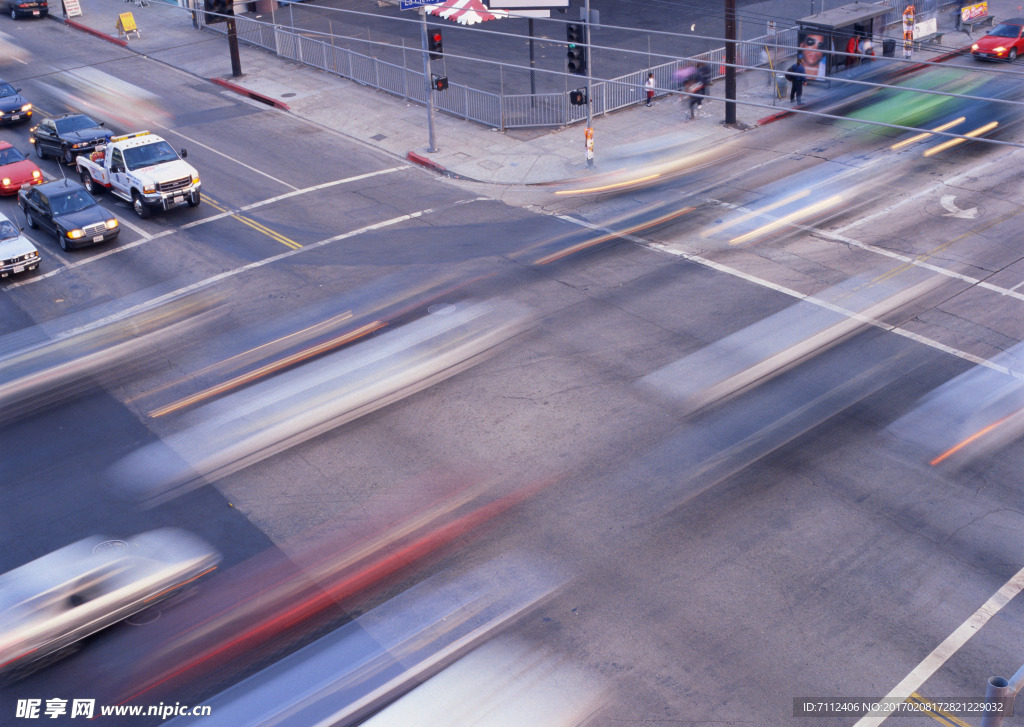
pixel 774 117
pixel 424 162
pixel 251 94
pixel 98 34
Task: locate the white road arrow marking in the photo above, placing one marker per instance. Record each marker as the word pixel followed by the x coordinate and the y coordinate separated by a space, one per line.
pixel 954 211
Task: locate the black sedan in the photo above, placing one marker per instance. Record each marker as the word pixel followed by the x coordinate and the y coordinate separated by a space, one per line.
pixel 67 210
pixel 68 136
pixel 27 8
pixel 13 106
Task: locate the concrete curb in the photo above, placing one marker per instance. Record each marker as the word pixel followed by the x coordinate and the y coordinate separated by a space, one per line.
pixel 91 31
pixel 256 96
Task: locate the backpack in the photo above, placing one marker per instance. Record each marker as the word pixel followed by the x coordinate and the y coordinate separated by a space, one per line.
pixel 789 73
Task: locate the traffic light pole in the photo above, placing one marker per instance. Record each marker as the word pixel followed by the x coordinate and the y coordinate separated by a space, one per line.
pixel 428 83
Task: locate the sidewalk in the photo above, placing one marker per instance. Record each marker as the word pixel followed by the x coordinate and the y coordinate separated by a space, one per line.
pixel 464 148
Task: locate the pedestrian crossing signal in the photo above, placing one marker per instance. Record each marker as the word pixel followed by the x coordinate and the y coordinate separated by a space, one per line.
pixel 578 97
pixel 440 83
pixel 217 11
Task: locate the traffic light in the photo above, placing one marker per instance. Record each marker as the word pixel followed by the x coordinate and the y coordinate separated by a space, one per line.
pixel 434 43
pixel 440 82
pixel 578 97
pixel 222 8
pixel 577 52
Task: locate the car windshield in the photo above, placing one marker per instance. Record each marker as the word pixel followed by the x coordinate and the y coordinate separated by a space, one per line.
pixel 1006 31
pixel 72 201
pixel 10 155
pixel 74 123
pixel 6 90
pixel 8 230
pixel 148 155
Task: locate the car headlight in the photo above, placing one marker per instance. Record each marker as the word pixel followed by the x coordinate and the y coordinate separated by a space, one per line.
pixel 75 234
pixel 26 107
pixel 974 47
pixel 79 145
pixel 6 181
pixel 148 188
pixel 195 179
pixel 36 174
pixel 999 49
pixel 111 224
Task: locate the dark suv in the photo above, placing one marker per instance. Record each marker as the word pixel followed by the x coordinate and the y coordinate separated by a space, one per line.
pixel 27 8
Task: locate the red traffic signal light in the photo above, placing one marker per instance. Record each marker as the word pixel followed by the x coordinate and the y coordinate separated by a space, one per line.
pixel 440 83
pixel 578 97
pixel 434 43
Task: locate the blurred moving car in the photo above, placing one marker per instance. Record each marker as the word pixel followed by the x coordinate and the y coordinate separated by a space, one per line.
pixel 17 253
pixel 28 8
pixel 16 170
pixel 1004 43
pixel 13 106
pixel 68 136
pixel 67 210
pixel 11 51
pixel 55 601
pixel 40 365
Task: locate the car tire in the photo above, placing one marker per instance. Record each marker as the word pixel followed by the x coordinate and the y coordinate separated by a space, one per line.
pixel 140 206
pixel 66 153
pixel 14 14
pixel 39 150
pixel 89 183
pixel 1012 55
pixel 30 220
pixel 194 199
pixel 63 240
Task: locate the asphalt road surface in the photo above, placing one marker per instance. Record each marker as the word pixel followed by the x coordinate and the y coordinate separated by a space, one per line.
pixel 780 546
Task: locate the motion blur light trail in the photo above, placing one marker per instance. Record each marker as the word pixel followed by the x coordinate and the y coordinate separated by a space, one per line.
pixel 977 413
pixel 42 364
pixel 761 351
pixel 260 607
pixel 252 424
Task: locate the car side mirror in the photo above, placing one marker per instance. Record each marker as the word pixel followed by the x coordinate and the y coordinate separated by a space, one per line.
pixel 102 123
pixel 116 168
pixel 184 153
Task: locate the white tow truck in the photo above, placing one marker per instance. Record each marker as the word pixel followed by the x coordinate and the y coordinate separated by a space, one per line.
pixel 142 169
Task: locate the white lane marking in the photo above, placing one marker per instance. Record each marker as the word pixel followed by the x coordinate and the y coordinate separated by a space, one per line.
pixel 926 191
pixel 700 260
pixel 325 185
pixel 147 237
pixel 913 681
pixel 905 259
pixel 1017 285
pixel 190 140
pixel 949 202
pixel 135 228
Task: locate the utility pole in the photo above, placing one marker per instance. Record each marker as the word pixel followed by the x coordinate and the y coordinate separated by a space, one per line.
pixel 730 61
pixel 427 80
pixel 590 86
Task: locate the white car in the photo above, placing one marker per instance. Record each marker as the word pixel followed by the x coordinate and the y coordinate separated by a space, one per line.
pixel 17 253
pixel 57 600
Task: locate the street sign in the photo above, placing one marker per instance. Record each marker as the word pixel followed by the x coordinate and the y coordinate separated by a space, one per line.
pixel 410 4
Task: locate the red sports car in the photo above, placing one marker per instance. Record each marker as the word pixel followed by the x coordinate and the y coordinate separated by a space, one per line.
pixel 1004 43
pixel 16 170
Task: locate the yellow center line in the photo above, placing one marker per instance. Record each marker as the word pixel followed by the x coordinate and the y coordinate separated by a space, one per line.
pixel 935 713
pixel 255 225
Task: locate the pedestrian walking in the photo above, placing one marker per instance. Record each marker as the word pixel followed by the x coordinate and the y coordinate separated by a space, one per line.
pixel 795 75
pixel 649 85
pixel 704 76
pixel 867 49
pixel 695 88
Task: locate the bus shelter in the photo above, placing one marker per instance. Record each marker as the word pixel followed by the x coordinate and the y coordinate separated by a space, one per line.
pixel 838 29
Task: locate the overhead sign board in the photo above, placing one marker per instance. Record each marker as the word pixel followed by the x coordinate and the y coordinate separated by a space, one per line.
pixel 527 4
pixel 410 4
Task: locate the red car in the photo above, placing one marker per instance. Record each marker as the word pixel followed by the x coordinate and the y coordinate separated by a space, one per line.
pixel 16 170
pixel 1004 43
